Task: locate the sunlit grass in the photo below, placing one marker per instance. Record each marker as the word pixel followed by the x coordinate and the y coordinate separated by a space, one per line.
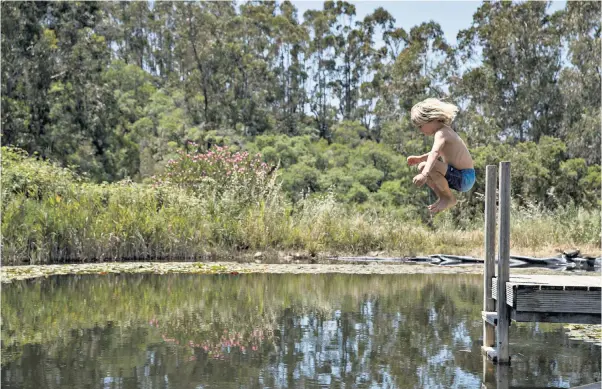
pixel 137 222
pixel 50 216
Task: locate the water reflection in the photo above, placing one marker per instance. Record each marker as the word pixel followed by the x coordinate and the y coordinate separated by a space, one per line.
pixel 276 331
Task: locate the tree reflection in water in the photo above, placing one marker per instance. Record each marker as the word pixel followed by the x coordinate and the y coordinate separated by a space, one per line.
pixel 257 331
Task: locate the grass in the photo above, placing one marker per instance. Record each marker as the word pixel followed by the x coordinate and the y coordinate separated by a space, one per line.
pixel 50 216
pixel 138 222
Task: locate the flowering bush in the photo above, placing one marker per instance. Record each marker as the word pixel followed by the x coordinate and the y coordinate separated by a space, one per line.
pixel 219 171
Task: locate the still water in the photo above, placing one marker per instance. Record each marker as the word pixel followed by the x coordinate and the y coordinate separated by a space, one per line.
pixel 269 331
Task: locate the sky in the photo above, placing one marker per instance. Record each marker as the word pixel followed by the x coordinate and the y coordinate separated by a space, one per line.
pixel 452 16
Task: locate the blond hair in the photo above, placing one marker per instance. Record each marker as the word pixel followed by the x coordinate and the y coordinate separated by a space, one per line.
pixel 433 109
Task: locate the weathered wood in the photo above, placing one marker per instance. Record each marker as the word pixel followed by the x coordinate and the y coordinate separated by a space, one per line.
pixel 554 299
pixel 548 317
pixel 503 264
pixel 488 372
pixel 573 295
pixel 596 385
pixel 490 318
pixel 489 271
pixel 555 281
pixel 557 301
pixel 510 298
pixel 502 377
pixel 491 353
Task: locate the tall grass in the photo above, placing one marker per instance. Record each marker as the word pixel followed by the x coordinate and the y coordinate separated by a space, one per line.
pixel 77 221
pixel 137 222
pixel 534 226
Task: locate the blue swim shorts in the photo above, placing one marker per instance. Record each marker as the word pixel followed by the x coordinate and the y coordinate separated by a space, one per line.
pixel 460 180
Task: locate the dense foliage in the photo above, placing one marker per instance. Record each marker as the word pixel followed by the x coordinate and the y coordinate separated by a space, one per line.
pixel 299 106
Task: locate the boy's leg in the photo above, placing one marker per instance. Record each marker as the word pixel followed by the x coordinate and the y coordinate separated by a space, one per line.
pixel 446 198
pixel 438 183
pixel 440 167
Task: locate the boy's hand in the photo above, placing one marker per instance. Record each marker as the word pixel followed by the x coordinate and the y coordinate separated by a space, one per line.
pixel 419 180
pixel 414 160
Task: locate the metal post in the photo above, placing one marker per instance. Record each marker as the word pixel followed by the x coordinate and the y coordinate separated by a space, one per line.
pixel 503 273
pixel 489 271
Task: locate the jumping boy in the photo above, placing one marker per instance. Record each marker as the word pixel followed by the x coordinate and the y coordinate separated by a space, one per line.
pixel 456 170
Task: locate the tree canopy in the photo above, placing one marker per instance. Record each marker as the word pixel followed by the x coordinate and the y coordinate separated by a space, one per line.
pixel 115 89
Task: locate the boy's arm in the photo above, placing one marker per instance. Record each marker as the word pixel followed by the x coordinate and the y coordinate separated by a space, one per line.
pixel 434 154
pixel 416 159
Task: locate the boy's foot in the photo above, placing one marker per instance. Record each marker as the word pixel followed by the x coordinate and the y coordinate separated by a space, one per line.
pixel 444 204
pixel 433 205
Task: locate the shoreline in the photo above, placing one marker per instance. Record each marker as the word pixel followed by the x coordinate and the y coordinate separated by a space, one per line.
pixel 24 272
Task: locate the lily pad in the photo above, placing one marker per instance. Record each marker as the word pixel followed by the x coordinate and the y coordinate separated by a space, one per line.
pixel 585 332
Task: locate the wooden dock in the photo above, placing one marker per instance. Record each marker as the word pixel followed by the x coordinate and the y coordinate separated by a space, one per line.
pixel 548 299
pixel 525 298
pixel 553 299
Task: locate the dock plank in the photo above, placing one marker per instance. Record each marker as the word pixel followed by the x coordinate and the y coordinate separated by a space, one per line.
pixel 547 317
pixel 546 281
pixel 554 298
pixel 558 301
pixel 596 385
pixel 490 317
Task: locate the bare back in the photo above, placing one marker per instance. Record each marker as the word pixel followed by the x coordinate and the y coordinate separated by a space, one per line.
pixel 454 151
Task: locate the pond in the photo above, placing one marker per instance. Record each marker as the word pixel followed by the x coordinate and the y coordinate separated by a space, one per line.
pixel 269 331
